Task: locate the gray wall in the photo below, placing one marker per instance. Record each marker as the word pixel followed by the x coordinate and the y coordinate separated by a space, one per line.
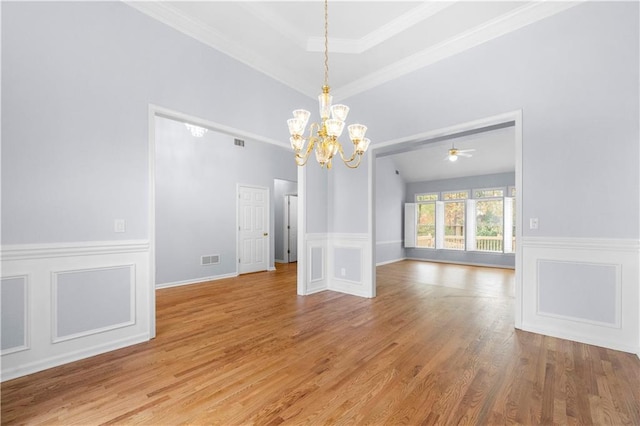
pixel 316 192
pixel 344 198
pixel 281 188
pixel 77 81
pixel 471 182
pixel 390 197
pixel 196 197
pixel 575 77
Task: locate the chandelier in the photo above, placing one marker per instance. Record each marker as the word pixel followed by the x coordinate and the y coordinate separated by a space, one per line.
pixel 324 136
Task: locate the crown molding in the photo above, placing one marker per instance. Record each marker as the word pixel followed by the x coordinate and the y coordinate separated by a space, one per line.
pixel 504 24
pixel 401 23
pixel 174 18
pixel 520 17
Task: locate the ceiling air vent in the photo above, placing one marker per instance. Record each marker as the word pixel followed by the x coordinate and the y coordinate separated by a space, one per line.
pixel 213 259
pixel 238 142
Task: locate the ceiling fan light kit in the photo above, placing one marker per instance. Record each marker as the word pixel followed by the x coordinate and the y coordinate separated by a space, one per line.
pixel 455 153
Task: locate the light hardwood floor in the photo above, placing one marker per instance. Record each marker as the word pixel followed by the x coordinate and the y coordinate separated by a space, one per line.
pixel 437 346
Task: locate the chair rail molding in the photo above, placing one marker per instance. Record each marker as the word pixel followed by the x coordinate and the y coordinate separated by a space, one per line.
pixel 72 283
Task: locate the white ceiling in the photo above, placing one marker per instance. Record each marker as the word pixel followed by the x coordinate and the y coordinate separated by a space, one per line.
pixel 371 42
pixel 494 153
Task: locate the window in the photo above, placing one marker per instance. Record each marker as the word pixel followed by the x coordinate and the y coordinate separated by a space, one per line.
pixel 420 198
pixel 489 229
pixel 455 195
pixel 454 212
pixel 479 220
pixel 489 219
pixel 486 193
pixel 426 225
pixel 426 220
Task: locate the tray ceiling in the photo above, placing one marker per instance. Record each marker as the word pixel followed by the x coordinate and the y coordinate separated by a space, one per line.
pixel 371 42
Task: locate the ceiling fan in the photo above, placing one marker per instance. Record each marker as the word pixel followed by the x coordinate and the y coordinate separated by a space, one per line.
pixel 454 153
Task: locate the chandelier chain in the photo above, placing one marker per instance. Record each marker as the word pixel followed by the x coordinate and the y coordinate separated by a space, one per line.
pixel 323 135
pixel 326 42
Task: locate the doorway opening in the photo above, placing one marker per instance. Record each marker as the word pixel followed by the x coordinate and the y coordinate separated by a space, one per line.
pixel 291 228
pixel 284 192
pixel 445 136
pixel 217 262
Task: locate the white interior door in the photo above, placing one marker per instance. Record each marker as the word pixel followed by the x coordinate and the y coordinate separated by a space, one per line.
pixel 253 229
pixel 292 227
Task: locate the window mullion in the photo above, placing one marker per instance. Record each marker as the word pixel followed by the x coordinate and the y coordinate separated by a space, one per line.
pixel 470 225
pixel 439 225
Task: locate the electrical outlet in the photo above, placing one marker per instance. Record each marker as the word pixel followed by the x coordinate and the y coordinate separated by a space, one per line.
pixel 119 225
pixel 533 223
pixel 343 272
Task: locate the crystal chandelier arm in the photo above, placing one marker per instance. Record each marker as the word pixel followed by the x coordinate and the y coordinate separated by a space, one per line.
pixel 348 161
pixel 301 159
pixel 352 165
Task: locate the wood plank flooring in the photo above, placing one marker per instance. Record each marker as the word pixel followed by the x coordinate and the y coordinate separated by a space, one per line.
pixel 437 346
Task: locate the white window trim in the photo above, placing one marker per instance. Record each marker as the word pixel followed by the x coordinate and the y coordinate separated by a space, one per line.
pixel 410 225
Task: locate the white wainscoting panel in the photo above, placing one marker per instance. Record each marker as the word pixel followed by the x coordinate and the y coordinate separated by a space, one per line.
pixel 79 296
pixel 579 291
pixel 14 314
pixel 586 290
pixel 316 249
pixel 82 299
pixel 349 266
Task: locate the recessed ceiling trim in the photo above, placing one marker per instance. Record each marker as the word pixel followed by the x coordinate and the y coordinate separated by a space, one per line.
pixel 528 13
pixel 504 24
pixel 401 23
pixel 336 45
pixel 276 22
pixel 168 15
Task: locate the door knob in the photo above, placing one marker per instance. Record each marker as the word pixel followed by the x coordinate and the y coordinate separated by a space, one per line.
pixel 265 234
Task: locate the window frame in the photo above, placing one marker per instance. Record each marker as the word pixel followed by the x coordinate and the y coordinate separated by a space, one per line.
pixel 469 199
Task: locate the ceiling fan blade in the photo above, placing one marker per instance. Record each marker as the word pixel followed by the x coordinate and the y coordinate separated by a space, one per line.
pixel 464 154
pixel 466 150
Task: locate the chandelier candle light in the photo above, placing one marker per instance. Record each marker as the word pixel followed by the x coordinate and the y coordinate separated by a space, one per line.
pixel 324 137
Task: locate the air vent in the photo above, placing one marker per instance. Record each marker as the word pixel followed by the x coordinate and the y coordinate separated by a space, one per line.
pixel 238 142
pixel 213 259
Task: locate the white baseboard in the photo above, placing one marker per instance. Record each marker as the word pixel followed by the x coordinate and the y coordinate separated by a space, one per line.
pixel 386 262
pixel 484 265
pixel 46 363
pixel 196 280
pixel 381 243
pixel 575 337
